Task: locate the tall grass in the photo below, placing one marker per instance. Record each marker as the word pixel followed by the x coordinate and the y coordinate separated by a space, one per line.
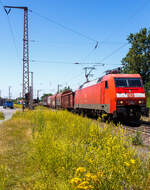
pixel 18 106
pixel 148 101
pixel 2 116
pixel 49 150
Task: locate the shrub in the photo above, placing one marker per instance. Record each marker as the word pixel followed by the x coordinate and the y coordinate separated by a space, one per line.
pixel 137 138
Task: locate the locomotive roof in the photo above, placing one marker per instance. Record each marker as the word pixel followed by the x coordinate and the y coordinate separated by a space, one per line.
pixel 121 76
pixel 106 77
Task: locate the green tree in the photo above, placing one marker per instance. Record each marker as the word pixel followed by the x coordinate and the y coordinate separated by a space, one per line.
pixel 137 59
pixel 44 95
pixel 66 88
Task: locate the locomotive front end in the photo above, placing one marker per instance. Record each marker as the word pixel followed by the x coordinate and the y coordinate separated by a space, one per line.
pixel 130 98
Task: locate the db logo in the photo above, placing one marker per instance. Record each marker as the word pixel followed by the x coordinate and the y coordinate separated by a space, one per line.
pixel 131 95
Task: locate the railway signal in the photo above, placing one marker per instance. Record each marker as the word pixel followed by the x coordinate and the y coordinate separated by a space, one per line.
pixel 25 88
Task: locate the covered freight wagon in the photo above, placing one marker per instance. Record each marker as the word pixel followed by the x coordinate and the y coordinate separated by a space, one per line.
pixel 58 100
pixel 67 100
pixel 51 101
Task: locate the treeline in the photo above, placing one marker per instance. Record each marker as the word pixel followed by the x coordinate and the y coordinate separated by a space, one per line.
pixel 137 60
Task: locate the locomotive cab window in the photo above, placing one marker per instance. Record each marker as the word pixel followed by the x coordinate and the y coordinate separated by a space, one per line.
pixel 128 82
pixel 106 84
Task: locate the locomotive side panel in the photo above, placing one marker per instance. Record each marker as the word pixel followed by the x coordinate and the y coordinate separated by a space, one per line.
pixel 108 98
pixel 105 96
pixel 88 98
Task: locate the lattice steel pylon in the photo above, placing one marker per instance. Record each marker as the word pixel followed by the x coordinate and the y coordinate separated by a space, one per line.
pixel 25 89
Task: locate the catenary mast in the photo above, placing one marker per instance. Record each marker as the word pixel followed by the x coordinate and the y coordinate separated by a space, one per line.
pixel 25 86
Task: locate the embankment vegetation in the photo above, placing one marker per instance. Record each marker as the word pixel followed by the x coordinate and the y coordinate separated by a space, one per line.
pixel 18 106
pixel 148 100
pixel 2 117
pixel 56 150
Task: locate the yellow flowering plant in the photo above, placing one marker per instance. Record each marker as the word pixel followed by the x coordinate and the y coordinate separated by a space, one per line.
pixel 64 151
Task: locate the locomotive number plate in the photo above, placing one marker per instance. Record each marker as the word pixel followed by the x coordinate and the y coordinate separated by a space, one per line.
pixel 130 95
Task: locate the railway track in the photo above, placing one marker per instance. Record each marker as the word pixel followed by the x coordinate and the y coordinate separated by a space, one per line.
pixel 143 128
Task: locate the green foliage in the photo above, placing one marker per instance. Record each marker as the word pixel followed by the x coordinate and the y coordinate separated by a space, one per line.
pixel 56 150
pixel 148 100
pixel 137 139
pixel 44 95
pixel 137 59
pixel 2 116
pixel 66 88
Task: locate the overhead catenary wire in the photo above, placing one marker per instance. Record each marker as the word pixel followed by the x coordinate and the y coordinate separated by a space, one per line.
pixel 67 62
pixel 114 52
pixel 65 27
pixel 71 30
pixel 80 34
pixel 136 12
pixel 11 31
pixel 133 15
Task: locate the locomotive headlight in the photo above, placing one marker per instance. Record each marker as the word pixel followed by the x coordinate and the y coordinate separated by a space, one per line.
pixel 141 102
pixel 121 102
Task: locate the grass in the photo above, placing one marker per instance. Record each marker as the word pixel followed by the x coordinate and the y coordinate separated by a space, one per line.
pixel 2 117
pixel 18 106
pixel 148 101
pixel 56 150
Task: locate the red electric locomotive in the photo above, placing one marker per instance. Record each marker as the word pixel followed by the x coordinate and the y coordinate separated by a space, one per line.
pixel 119 95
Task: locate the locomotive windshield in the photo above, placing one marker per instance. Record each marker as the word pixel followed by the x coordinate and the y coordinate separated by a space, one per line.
pixel 128 82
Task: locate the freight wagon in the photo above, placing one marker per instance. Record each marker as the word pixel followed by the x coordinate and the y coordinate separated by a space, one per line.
pixel 67 100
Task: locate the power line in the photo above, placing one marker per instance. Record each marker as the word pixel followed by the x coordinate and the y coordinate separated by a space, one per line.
pixel 65 27
pixel 11 31
pixel 95 64
pixel 113 52
pixel 46 61
pixel 139 9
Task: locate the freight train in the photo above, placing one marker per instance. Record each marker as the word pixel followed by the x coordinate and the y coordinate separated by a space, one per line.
pixel 120 96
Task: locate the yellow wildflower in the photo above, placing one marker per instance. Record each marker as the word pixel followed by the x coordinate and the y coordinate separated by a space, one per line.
pixel 94 178
pixel 80 170
pixel 90 161
pixel 83 185
pixel 88 175
pixel 90 187
pixel 100 174
pixel 75 181
pixel 127 164
pixel 132 161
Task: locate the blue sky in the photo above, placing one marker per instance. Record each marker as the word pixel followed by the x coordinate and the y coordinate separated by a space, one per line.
pixel 56 49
